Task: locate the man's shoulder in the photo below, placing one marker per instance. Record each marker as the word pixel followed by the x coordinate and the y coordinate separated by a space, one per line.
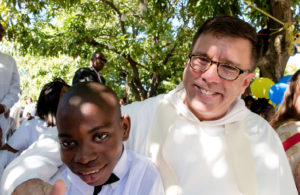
pixel 258 125
pixel 150 102
pixel 6 59
pixel 140 164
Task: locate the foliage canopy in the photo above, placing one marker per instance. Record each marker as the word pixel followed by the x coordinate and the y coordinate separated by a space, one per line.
pixel 146 42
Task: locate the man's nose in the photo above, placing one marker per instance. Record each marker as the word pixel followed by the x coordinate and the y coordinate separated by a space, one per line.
pixel 211 74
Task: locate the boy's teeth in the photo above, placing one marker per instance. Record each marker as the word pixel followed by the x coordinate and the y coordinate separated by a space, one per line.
pixel 206 92
pixel 90 172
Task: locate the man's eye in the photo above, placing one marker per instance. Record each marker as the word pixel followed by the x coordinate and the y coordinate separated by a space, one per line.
pixel 203 60
pixel 100 136
pixel 229 67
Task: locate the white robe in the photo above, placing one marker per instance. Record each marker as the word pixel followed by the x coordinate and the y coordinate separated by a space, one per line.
pixel 9 87
pixel 195 150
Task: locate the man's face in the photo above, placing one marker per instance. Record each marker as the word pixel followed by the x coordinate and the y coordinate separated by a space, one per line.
pixel 207 95
pixel 99 61
pixel 91 141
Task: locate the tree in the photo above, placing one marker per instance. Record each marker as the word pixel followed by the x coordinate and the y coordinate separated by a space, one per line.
pixel 146 42
pixel 276 35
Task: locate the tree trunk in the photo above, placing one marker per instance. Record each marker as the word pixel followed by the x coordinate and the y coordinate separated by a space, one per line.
pixel 274 51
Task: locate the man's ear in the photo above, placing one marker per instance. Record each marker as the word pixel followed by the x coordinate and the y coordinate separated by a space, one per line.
pixel 125 125
pixel 186 63
pixel 246 82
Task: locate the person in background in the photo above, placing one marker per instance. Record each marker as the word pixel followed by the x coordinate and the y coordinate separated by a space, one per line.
pixel 123 101
pixel 30 130
pixel 9 88
pixel 91 73
pixel 262 107
pixel 200 135
pixel 248 101
pixel 287 125
pixel 29 109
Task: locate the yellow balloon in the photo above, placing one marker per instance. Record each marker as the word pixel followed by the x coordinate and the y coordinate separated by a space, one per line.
pixel 261 86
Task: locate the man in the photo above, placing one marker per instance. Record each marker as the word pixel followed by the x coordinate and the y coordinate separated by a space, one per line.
pixel 91 73
pixel 9 88
pixel 200 135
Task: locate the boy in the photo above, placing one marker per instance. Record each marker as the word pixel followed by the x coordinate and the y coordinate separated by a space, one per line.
pixel 91 130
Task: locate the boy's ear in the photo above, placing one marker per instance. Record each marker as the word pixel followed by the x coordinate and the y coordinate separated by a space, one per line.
pixel 125 124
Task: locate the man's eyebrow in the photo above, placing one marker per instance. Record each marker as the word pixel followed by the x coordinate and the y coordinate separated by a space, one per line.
pixel 66 135
pixel 226 61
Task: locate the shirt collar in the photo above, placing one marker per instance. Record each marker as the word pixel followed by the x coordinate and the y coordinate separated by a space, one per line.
pixel 236 112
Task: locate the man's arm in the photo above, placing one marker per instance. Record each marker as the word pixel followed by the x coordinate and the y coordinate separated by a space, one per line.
pixel 12 95
pixel 41 160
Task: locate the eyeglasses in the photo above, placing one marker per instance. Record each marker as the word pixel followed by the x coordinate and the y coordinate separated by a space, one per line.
pixel 225 71
pixel 100 58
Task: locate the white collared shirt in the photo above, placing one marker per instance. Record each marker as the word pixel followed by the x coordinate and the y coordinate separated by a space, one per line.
pixel 137 176
pixel 28 132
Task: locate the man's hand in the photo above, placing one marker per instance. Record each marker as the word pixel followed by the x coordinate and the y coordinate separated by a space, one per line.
pixel 0 137
pixel 2 108
pixel 33 187
pixel 39 187
pixel 59 188
pixel 6 114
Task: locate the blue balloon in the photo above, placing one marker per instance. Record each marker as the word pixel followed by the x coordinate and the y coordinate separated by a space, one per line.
pixel 285 79
pixel 276 92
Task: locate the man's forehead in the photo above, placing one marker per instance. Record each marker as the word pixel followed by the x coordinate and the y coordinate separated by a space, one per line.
pixel 99 55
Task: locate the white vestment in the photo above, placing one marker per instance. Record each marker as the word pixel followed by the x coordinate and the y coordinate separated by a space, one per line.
pixel 195 151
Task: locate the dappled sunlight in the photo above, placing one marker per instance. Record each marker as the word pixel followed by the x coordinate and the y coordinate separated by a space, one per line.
pixel 270 158
pixel 75 100
pixel 154 148
pixel 16 172
pixel 219 168
pixel 173 190
pixel 193 155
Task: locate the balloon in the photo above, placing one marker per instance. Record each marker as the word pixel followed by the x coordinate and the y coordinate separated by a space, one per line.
pixel 276 92
pixel 260 87
pixel 285 79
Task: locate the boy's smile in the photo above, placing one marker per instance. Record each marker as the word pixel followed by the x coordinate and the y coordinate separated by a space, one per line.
pixel 91 136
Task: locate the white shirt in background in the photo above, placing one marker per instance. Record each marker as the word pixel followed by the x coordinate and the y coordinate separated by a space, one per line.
pixel 9 87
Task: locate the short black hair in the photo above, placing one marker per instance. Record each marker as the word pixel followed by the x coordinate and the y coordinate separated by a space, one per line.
pixel 85 74
pixel 48 101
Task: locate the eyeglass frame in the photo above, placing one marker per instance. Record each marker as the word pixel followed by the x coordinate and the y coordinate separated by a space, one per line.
pixel 211 62
pixel 102 59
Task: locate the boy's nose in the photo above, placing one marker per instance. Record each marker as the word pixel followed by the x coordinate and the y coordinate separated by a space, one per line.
pixel 85 155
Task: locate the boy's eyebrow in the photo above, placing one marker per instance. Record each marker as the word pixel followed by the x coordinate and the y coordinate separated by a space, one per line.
pixel 89 131
pixel 96 128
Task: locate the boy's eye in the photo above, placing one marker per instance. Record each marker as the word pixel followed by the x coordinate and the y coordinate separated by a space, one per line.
pixel 67 144
pixel 100 136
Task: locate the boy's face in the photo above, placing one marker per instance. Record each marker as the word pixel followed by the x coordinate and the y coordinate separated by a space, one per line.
pixel 91 140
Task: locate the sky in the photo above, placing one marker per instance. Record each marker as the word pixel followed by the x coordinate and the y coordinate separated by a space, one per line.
pixel 295 60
